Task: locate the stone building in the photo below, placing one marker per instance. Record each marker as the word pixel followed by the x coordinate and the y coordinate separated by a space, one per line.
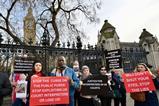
pixel 146 50
pixel 29 28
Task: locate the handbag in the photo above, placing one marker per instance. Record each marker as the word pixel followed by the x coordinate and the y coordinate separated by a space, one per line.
pixel 138 96
pixel 96 101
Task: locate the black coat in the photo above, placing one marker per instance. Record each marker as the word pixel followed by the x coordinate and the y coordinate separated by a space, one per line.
pixel 5 86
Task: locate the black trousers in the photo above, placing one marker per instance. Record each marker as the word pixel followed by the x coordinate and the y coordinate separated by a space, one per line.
pixel 118 101
pixel 85 102
pixel 105 101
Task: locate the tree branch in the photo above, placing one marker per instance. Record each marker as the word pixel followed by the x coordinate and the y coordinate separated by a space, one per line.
pixel 10 9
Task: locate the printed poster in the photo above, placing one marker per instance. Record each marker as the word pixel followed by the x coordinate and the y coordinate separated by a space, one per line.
pixel 22 89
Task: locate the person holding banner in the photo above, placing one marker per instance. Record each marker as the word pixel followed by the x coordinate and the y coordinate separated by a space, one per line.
pixel 150 96
pixel 85 100
pixel 63 70
pixel 36 72
pixel 105 101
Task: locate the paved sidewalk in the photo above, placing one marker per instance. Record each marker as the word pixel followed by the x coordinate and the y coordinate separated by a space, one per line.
pixel 129 101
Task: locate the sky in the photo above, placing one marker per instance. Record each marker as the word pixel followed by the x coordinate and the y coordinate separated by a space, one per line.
pixel 129 17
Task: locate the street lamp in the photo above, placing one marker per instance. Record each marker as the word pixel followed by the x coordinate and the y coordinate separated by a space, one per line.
pixel 45 41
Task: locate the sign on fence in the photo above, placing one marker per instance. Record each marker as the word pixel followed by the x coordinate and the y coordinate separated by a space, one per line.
pixel 23 64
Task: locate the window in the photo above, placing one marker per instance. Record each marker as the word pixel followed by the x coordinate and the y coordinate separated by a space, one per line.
pixel 131 49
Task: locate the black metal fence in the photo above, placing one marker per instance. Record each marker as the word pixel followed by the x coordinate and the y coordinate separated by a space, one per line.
pixel 92 57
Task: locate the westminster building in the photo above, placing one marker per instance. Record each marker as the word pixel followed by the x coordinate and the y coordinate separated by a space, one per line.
pixel 144 51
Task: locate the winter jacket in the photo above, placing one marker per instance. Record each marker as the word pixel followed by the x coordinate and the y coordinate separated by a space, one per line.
pixel 72 75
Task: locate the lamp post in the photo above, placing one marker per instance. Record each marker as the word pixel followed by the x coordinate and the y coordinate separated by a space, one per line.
pixel 45 40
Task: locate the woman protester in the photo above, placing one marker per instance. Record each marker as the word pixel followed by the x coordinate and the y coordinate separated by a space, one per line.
pixel 105 100
pixel 150 96
pixel 37 71
pixel 85 100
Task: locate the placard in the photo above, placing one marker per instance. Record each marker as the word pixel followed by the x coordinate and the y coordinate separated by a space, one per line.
pixel 23 64
pixel 113 59
pixel 22 89
pixel 138 81
pixel 49 91
pixel 95 85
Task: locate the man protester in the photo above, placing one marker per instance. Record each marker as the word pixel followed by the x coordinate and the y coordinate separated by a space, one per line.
pixel 63 70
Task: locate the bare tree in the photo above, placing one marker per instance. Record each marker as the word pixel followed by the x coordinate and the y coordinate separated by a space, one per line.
pixel 63 18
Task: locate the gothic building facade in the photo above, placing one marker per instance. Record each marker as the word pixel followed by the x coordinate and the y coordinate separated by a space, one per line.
pixel 144 51
pixel 29 28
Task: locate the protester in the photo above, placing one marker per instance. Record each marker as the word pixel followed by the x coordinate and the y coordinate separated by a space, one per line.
pixel 78 73
pixel 119 89
pixel 77 68
pixel 105 101
pixel 150 96
pixel 85 100
pixel 14 77
pixel 37 71
pixel 63 70
pixel 5 86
